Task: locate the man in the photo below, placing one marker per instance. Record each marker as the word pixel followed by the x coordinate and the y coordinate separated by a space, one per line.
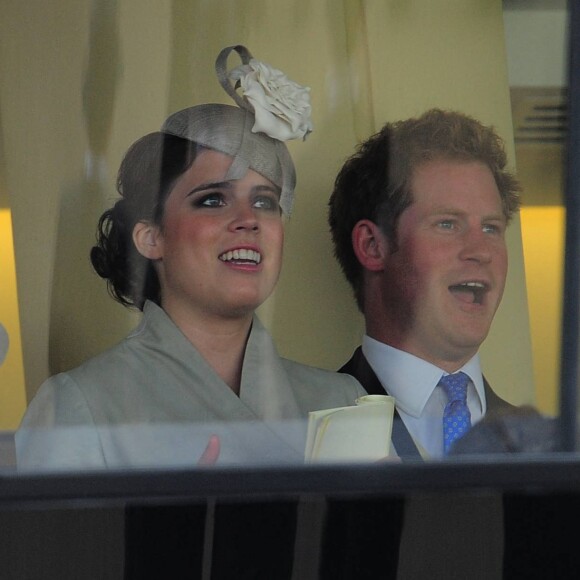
pixel 418 216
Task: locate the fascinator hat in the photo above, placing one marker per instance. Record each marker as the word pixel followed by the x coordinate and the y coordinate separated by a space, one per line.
pixel 271 110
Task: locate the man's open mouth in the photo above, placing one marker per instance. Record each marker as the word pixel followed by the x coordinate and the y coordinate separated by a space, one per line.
pixel 470 292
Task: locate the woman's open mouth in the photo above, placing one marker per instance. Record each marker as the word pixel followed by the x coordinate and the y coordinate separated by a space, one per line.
pixel 241 256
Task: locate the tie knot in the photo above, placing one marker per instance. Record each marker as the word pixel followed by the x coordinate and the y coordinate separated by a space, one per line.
pixel 455 386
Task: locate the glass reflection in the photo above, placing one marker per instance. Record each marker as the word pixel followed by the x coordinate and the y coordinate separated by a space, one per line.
pixel 195 242
pixel 356 87
pixel 80 82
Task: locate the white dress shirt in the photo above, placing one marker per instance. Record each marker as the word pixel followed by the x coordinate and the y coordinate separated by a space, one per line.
pixel 419 401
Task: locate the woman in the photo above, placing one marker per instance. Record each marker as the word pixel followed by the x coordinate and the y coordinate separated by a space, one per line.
pixel 195 242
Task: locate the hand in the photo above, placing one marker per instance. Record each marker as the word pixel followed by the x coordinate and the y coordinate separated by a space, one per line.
pixel 211 453
pixel 389 459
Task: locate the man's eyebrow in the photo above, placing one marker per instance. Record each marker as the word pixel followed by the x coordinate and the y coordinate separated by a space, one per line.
pixel 437 211
pixel 459 212
pixel 495 217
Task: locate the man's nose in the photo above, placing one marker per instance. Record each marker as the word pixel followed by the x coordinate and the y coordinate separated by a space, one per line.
pixel 476 246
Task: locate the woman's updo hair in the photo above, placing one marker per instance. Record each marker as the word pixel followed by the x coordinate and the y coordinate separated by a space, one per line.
pixel 146 177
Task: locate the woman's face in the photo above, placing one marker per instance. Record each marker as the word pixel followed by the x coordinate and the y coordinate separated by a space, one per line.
pixel 218 250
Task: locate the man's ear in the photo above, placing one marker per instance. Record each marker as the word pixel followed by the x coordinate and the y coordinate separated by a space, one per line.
pixel 148 240
pixel 370 245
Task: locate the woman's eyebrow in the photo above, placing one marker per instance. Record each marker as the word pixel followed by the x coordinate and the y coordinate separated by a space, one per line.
pixel 213 185
pixel 229 185
pixel 269 188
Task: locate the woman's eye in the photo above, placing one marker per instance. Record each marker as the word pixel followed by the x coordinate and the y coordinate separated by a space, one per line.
pixel 268 203
pixel 211 200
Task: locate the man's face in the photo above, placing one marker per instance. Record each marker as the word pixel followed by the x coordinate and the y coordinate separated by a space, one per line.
pixel 443 284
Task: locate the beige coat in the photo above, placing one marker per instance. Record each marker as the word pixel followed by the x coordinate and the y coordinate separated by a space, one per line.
pixel 152 400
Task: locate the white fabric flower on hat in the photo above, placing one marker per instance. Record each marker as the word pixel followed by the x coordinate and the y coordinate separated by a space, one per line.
pixel 281 107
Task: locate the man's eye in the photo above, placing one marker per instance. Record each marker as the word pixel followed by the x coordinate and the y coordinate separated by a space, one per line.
pixel 268 203
pixel 492 229
pixel 211 200
pixel 446 224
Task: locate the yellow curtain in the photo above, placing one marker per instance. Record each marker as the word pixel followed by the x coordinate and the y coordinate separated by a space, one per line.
pixel 82 80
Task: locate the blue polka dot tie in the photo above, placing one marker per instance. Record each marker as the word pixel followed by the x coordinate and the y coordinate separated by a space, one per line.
pixel 456 416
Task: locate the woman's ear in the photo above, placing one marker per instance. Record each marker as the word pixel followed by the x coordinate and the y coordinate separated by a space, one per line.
pixel 370 245
pixel 148 240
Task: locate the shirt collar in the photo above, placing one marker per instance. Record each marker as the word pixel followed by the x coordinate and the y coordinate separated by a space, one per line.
pixel 410 379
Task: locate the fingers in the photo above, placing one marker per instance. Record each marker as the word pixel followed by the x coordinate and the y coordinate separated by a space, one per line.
pixel 211 453
pixel 390 459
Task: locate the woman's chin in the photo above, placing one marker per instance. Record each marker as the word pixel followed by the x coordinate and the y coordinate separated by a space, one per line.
pixel 237 312
pixel 247 300
pixel 243 306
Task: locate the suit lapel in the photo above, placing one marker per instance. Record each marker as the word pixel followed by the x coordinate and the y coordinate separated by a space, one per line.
pixel 493 402
pixel 359 368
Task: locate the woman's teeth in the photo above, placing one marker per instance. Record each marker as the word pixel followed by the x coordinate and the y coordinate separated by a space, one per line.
pixel 243 254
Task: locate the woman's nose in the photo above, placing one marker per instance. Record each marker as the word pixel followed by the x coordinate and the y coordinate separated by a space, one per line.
pixel 245 219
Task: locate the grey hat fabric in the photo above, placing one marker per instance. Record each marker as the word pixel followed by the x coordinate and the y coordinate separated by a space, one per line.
pixel 228 129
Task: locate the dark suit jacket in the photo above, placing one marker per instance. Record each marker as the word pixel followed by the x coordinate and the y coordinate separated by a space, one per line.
pixel 359 368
